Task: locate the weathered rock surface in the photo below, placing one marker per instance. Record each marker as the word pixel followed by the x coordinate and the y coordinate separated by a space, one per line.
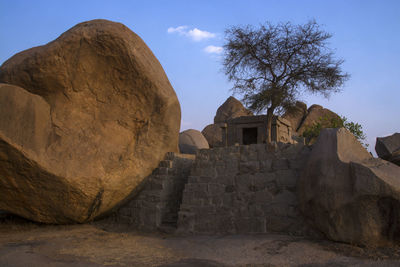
pixel 295 116
pixel 231 108
pixel 388 148
pixel 95 116
pixel 317 113
pixel 213 133
pixel 192 140
pixel 349 195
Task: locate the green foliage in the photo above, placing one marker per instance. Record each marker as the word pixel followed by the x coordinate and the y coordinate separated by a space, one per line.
pixel 313 131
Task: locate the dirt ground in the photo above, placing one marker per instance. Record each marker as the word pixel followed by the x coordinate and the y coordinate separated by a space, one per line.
pixel 23 243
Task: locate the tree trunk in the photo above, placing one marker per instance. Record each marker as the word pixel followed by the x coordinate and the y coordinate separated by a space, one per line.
pixel 270 113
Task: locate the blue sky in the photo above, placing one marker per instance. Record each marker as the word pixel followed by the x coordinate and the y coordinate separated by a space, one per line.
pixel 366 34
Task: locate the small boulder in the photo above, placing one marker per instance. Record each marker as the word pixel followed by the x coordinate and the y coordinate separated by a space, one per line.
pixel 231 108
pixel 349 195
pixel 317 113
pixel 192 140
pixel 296 114
pixel 388 148
pixel 213 133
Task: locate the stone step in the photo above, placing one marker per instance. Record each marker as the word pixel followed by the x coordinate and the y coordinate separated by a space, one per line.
pixel 168 229
pixel 166 164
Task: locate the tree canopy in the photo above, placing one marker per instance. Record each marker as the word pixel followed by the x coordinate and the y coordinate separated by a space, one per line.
pixel 272 65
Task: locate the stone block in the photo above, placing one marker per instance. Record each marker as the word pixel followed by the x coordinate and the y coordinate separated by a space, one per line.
pixel 193 179
pixel 249 167
pixel 215 189
pixel 216 201
pixel 266 165
pixel 297 163
pixel 220 170
pixel 154 184
pixel 232 166
pixel 204 212
pixel 263 196
pixel 273 188
pixel 285 197
pixel 279 224
pixel 243 182
pixel 249 155
pixel 227 199
pixel 186 221
pixel 225 179
pixel 188 198
pixel 224 224
pixel 205 226
pixel 286 178
pixel 256 210
pixel 202 155
pixel 196 187
pixel 260 180
pixel 280 164
pixel 250 225
pixel 166 164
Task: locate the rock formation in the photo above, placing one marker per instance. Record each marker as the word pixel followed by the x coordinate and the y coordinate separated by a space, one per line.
pixel 231 108
pixel 388 148
pixel 213 134
pixel 349 195
pixel 90 116
pixel 296 115
pixel 191 140
pixel 317 113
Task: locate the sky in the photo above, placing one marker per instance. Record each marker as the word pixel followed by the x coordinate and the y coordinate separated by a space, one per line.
pixel 187 38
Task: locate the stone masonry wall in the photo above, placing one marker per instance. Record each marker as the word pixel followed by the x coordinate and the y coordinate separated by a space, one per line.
pixel 156 206
pixel 244 189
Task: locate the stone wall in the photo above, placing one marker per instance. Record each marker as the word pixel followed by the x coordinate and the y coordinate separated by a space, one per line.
pixel 156 206
pixel 244 189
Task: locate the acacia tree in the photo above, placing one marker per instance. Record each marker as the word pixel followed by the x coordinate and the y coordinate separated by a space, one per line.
pixel 271 66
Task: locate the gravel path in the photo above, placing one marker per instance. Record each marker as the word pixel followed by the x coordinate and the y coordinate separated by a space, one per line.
pixel 28 244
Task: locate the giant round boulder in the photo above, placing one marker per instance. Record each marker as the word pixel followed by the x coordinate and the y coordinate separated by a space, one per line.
pixel 349 195
pixel 192 140
pixel 231 108
pixel 214 134
pixel 83 120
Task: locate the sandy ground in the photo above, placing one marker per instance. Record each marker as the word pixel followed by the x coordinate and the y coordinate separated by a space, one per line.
pixel 24 243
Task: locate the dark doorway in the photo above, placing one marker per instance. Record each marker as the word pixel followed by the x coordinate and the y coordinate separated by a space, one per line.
pixel 249 136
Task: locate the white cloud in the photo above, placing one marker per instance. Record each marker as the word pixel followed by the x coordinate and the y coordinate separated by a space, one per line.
pixel 198 35
pixel 195 34
pixel 213 49
pixel 179 29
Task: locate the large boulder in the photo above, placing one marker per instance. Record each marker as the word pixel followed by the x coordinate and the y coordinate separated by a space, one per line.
pixel 388 148
pixel 296 114
pixel 349 195
pixel 213 133
pixel 231 108
pixel 191 140
pixel 93 115
pixel 317 113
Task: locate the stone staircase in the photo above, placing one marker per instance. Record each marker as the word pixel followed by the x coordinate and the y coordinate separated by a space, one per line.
pixel 156 206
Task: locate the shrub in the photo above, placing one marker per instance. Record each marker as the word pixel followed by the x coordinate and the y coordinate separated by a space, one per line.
pixel 312 132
